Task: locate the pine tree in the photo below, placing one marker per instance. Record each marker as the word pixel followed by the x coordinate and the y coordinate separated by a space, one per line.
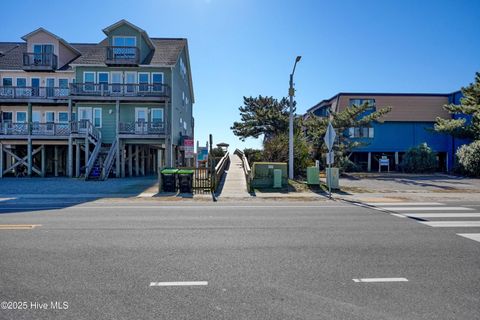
pixel 351 117
pixel 262 116
pixel 467 125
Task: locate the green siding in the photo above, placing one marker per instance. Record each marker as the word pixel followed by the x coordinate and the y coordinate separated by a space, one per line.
pixel 172 77
pixel 125 30
pixel 181 85
pixel 127 114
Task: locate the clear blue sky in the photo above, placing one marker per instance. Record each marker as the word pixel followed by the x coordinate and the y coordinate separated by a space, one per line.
pixel 247 47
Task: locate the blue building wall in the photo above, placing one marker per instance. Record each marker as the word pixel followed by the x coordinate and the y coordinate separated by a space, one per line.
pixel 400 136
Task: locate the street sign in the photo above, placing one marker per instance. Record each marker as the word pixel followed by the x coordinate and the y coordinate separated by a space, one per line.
pixel 188 147
pixel 330 136
pixel 330 157
pixel 202 153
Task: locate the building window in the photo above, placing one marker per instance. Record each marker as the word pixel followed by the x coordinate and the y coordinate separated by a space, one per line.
pixel 157 115
pixel 7 89
pixel 322 111
pixel 183 69
pixel 7 116
pixel 97 117
pixel 21 117
pixel 49 116
pixel 131 81
pixel 359 102
pixel 89 81
pixel 361 132
pixel 157 81
pixel 122 41
pixel 21 82
pixel 143 81
pixel 7 82
pixel 63 85
pixel 43 54
pixel 124 47
pixel 103 80
pixel 63 117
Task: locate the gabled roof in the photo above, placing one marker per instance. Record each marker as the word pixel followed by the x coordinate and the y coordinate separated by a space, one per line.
pixel 166 53
pixel 131 25
pixel 12 58
pixel 372 94
pixel 65 43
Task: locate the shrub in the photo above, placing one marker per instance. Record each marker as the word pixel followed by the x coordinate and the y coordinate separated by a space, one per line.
pixel 253 155
pixel 347 165
pixel 419 159
pixel 468 157
pixel 218 152
pixel 275 149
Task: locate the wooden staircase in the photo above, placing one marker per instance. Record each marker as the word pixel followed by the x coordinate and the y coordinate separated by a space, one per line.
pixel 103 163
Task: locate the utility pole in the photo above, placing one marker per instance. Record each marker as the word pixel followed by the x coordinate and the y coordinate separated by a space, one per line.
pixel 291 93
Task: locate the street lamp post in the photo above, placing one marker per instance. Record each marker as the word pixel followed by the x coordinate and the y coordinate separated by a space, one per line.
pixel 291 93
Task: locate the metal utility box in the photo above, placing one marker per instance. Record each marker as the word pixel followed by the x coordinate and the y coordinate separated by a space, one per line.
pixel 263 174
pixel 313 175
pixel 332 175
pixel 169 180
pixel 277 178
pixel 185 180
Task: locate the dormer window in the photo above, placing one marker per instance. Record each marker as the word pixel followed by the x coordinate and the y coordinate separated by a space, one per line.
pixel 42 58
pixel 43 48
pixel 120 41
pixel 123 51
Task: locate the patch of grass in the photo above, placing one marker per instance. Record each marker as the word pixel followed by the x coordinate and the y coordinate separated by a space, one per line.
pixel 296 186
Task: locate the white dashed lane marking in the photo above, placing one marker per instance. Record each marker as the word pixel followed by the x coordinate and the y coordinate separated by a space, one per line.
pixel 381 280
pixel 179 284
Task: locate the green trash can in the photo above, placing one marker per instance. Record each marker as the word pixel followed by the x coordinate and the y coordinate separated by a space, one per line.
pixel 313 176
pixel 169 179
pixel 185 180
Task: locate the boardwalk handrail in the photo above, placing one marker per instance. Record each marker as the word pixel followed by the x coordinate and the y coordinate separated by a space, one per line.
pixel 246 167
pixel 220 169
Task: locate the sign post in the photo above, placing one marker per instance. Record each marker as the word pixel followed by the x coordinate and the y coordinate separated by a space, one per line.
pixel 329 141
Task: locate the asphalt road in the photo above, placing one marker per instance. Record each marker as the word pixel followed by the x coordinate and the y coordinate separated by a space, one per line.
pixel 255 260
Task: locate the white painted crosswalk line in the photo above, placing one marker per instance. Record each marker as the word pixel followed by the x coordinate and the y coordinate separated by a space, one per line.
pixel 427 208
pixel 444 215
pixel 451 224
pixel 404 203
pixel 472 236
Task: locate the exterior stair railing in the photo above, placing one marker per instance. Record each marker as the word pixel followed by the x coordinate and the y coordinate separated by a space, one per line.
pixel 109 161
